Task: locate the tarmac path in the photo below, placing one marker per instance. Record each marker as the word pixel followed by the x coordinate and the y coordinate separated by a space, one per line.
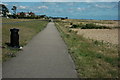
pixel 45 56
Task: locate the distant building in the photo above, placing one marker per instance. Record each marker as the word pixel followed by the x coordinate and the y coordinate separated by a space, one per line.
pixel 18 13
pixel 25 14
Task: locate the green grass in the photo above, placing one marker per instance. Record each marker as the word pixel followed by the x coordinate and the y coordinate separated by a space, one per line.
pixel 8 20
pixel 26 33
pixel 93 59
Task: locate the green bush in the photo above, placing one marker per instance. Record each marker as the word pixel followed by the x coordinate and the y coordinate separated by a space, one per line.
pixel 89 26
pixel 94 26
pixel 78 25
pixel 75 26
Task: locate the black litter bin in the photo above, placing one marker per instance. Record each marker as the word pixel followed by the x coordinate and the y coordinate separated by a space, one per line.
pixel 14 38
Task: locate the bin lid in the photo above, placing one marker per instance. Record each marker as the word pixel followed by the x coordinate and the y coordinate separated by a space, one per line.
pixel 14 29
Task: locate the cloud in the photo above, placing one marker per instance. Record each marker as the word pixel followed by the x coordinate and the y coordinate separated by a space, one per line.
pixel 22 7
pixel 102 6
pixel 6 4
pixel 81 9
pixel 42 7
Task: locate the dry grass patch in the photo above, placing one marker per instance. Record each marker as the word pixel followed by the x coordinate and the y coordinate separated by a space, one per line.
pixel 93 59
pixel 105 35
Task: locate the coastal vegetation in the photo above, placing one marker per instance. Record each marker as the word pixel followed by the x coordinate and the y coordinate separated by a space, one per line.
pixel 93 58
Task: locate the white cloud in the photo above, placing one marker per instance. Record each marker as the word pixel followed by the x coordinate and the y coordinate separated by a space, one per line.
pixel 102 6
pixel 22 7
pixel 5 4
pixel 42 7
pixel 35 11
pixel 81 9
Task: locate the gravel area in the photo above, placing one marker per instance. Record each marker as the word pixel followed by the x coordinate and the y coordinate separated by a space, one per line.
pixel 107 35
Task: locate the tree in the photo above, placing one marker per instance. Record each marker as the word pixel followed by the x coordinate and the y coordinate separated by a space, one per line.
pixel 22 14
pixel 32 14
pixel 14 10
pixel 66 17
pixel 4 10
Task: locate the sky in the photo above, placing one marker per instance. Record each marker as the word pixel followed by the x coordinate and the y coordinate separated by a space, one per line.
pixel 73 10
pixel 59 0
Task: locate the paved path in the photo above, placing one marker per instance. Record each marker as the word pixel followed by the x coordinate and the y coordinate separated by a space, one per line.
pixel 45 56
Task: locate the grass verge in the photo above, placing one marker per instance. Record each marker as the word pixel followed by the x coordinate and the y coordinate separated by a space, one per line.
pixel 27 31
pixel 93 59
